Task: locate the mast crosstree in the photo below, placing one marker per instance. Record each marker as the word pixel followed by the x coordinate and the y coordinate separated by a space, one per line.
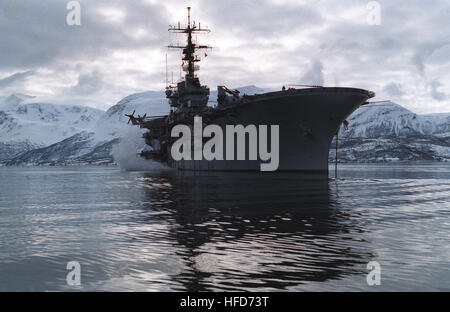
pixel 190 48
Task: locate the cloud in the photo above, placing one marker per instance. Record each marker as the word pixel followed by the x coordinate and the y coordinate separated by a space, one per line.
pixel 437 95
pixel 37 33
pixel 120 47
pixel 417 60
pixel 88 84
pixel 393 89
pixel 17 77
pixel 314 75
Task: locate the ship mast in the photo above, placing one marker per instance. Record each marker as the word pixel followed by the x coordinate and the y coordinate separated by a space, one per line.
pixel 190 47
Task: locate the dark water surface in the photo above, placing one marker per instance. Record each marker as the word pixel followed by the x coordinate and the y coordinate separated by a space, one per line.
pixel 169 231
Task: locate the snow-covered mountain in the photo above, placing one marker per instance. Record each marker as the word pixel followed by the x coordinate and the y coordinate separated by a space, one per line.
pixel 26 123
pixel 153 103
pixel 94 145
pixel 392 120
pixel 376 132
pixel 388 132
pixel 81 148
pixel 113 123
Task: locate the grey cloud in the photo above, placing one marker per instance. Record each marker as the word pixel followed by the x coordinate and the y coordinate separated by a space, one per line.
pixel 314 75
pixel 17 77
pixel 435 93
pixel 88 84
pixel 393 89
pixel 38 35
pixel 271 45
pixel 417 60
pixel 256 18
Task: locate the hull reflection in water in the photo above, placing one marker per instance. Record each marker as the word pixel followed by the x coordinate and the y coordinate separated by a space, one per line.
pixel 251 231
pixel 167 231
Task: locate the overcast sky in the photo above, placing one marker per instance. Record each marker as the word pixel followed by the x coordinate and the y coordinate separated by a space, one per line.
pixel 120 47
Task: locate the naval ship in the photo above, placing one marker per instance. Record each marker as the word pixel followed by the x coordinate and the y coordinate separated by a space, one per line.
pixel 308 118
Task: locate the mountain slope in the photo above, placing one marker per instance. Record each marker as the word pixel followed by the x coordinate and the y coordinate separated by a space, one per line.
pixel 377 132
pixel 80 148
pixel 44 123
pixel 26 124
pixel 95 145
pixel 393 120
pixel 389 132
pixel 113 123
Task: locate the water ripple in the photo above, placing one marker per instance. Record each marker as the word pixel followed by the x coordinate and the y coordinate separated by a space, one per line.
pixel 169 231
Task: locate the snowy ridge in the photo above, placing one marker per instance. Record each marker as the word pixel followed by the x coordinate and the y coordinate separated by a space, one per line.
pixel 79 149
pixel 42 123
pixel 11 102
pixel 390 132
pixel 93 145
pixel 27 124
pixel 113 123
pixel 390 119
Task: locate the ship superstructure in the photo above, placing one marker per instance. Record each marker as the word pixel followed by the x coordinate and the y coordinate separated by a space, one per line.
pixel 189 94
pixel 307 118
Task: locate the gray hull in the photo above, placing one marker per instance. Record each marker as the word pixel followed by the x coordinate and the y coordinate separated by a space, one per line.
pixel 307 118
